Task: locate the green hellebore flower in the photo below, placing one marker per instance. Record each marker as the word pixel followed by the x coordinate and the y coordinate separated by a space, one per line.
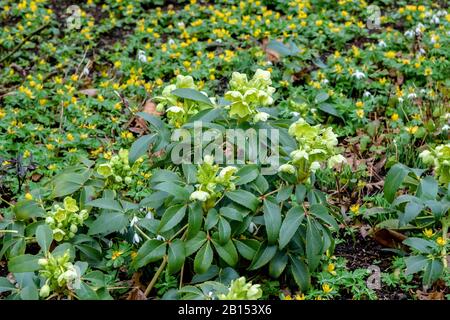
pixel 238 81
pixel 185 82
pixel 44 292
pixel 60 215
pixel 70 204
pixel 303 130
pixel 58 234
pixel 105 170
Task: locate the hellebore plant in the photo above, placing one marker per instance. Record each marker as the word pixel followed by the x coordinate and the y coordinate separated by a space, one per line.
pixel 246 96
pixel 64 221
pixel 177 109
pixel 316 145
pixel 118 172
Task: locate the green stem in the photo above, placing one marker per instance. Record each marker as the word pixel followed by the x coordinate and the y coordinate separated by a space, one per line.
pixel 156 276
pixel 8 231
pixel 8 203
pixel 142 232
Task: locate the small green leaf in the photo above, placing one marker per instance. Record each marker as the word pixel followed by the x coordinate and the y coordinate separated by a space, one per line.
pixel 227 252
pixel 171 217
pixel 300 193
pixel 5 285
pixel 203 258
pixel 415 264
pixel 211 219
pixel 151 251
pixel 108 222
pixel 191 94
pixel 24 210
pixel 321 97
pixel 300 273
pixel 421 245
pixel 141 146
pixel 44 237
pixel 272 219
pixel 195 219
pixel 278 264
pixel 433 271
pixel 195 243
pixel 105 203
pixel 224 229
pixel 244 198
pixel 24 263
pixel 176 255
pixel 247 248
pixel 246 174
pixel 290 225
pixel 393 180
pixel 313 245
pixel 263 256
pixel 428 188
pixel 174 189
pixel 321 212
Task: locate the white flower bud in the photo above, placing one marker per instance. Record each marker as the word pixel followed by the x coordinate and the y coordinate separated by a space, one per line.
pixel 199 195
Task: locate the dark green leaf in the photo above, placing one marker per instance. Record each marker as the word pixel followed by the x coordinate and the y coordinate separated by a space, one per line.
pixel 176 255
pixel 278 264
pixel 203 258
pixel 263 256
pixel 290 225
pixel 244 198
pixel 171 217
pixel 141 146
pixel 191 94
pixel 151 251
pixel 195 219
pixel 300 273
pixel 393 180
pixel 272 219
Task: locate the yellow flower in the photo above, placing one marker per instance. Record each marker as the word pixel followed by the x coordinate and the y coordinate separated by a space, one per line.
pixel 412 130
pixel 299 297
pixel 441 241
pixel 330 268
pixel 326 288
pixel 428 71
pixel 70 137
pixel 117 64
pixel 354 208
pixel 28 196
pixel 360 113
pixel 116 254
pixel 390 54
pixel 319 23
pixel 288 297
pixel 382 81
pixel 359 104
pixel 428 233
pixel 394 117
